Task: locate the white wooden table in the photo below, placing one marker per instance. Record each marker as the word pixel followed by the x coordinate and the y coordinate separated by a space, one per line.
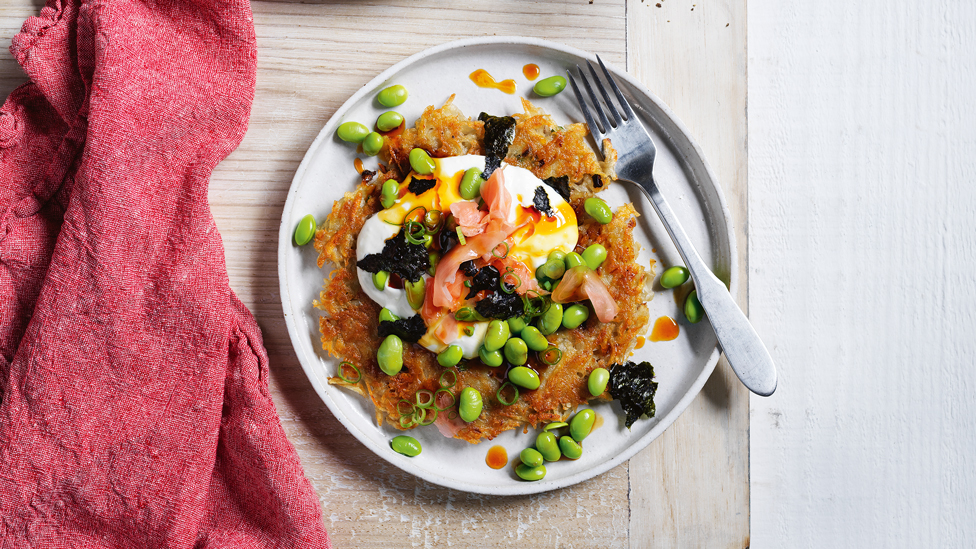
pixel 690 488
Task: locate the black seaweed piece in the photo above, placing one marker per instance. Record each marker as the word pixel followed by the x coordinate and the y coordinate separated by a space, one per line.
pixel 410 261
pixel 485 279
pixel 597 181
pixel 446 239
pixel 419 186
pixel 468 268
pixel 561 184
pixel 541 202
pixel 634 386
pixel 500 305
pixel 499 134
pixel 408 329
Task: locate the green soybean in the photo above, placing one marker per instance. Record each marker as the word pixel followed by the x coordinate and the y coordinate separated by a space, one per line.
pixel 450 356
pixel 352 132
pixel 524 377
pixel 547 87
pixel 387 315
pixel 574 315
pixel 573 259
pixel 390 355
pixel 389 193
pixel 372 144
pixel 305 230
pixel 405 445
pixel 553 269
pixel 594 255
pixel 557 255
pixel 421 162
pixel 415 293
pixel 581 424
pixel 534 339
pixel 694 311
pixel 597 382
pixel 496 335
pixel 434 258
pixel 531 457
pixel 547 445
pixel 570 448
pixel 516 351
pixel 388 121
pixel 490 358
pixel 525 472
pixel 516 324
pixel 674 277
pixel 392 96
pixel 380 278
pixel 598 210
pixel 470 187
pixel 469 404
pixel 555 425
pixel 552 319
pixel 540 273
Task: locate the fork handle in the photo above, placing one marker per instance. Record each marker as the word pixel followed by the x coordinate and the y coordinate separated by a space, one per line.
pixel 739 341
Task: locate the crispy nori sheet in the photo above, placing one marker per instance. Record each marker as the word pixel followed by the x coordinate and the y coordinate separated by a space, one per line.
pixel 541 202
pixel 561 184
pixel 500 305
pixel 410 261
pixel 634 386
pixel 419 185
pixel 408 329
pixel 486 279
pixel 499 134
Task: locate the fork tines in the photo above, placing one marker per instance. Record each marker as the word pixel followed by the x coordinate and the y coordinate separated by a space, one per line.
pixel 605 126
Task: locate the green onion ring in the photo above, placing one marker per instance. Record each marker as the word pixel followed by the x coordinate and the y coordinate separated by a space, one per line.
pixel 551 356
pixel 465 314
pixel 342 376
pixel 507 249
pixel 453 415
pixel 409 412
pixel 429 419
pixel 518 281
pixel 444 408
pixel 420 218
pixel 443 382
pixel 420 415
pixel 461 239
pixel 498 394
pixel 420 401
pixel 407 422
pixel 414 236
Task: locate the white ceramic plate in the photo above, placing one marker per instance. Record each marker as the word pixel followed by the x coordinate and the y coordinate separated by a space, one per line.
pixel 682 365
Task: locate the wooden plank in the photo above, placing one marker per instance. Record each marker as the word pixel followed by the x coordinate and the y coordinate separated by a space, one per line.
pixel 692 483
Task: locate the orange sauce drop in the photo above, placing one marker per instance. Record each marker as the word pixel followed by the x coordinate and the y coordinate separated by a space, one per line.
pixel 531 71
pixel 358 164
pixel 665 329
pixel 640 342
pixel 485 80
pixel 598 421
pixel 497 457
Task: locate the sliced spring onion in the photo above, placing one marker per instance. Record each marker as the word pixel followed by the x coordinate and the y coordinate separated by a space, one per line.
pixel 437 397
pixel 465 314
pixel 407 422
pixel 425 398
pixel 500 394
pixel 408 411
pixel 461 239
pixel 419 218
pixel 414 232
pixel 551 356
pixel 504 255
pixel 342 374
pixel 505 285
pixel 430 417
pixel 447 382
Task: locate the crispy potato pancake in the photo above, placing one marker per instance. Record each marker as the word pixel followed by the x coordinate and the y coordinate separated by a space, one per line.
pixel 350 320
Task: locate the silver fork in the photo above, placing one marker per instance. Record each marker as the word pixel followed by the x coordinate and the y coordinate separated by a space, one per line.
pixel 635 162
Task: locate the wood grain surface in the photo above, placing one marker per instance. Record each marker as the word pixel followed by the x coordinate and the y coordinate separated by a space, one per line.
pixel 687 489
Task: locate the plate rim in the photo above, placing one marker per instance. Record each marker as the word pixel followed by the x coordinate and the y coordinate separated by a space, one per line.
pixel 284 245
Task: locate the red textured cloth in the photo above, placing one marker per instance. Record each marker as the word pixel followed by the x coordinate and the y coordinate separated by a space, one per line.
pixel 135 409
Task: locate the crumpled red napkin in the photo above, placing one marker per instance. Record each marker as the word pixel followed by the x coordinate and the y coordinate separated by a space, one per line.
pixel 135 409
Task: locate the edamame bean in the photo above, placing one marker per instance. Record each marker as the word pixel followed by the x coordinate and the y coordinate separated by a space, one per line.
pixel 556 255
pixel 525 472
pixel 450 356
pixel 531 457
pixel 305 230
pixel 415 293
pixel 574 315
pixel 390 355
pixel 380 278
pixel 469 404
pixel 470 187
pixel 405 445
pixel 540 273
pixel 524 377
pixel 352 132
pixel 581 424
pixel 534 339
pixel 573 259
pixel 546 444
pixel 598 210
pixel 570 448
pixel 434 258
pixel 594 255
pixel 552 319
pixel 387 315
pixel 694 311
pixel 547 87
pixel 597 382
pixel 392 96
pixel 555 425
pixel 428 240
pixel 553 269
pixel 516 324
pixel 517 352
pixel 372 144
pixel 421 162
pixel 389 120
pixel 389 193
pixel 674 277
pixel 490 358
pixel 496 335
